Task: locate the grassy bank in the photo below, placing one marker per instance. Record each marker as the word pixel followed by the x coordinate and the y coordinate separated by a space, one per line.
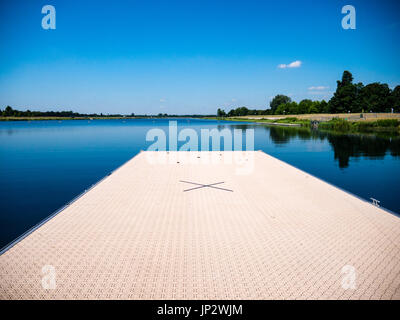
pixel 329 116
pixel 336 124
pixel 288 120
pixel 386 125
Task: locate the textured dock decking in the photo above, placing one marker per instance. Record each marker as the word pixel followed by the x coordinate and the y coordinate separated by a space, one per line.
pixel 279 234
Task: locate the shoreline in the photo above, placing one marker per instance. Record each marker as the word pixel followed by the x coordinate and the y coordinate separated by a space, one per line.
pixel 335 124
pixel 378 123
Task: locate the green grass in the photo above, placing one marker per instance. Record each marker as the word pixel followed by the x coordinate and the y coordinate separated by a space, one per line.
pixel 289 120
pixel 341 125
pixel 336 125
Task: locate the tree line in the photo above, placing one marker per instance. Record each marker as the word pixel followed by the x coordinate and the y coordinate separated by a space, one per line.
pixel 348 97
pixel 10 112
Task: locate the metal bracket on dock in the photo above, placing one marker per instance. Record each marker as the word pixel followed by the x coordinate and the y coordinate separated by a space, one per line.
pixel 375 202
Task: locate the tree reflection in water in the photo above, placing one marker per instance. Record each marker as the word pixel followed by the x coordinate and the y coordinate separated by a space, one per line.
pixel 344 146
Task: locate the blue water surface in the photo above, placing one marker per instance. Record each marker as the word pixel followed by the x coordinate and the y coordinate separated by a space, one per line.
pixel 45 164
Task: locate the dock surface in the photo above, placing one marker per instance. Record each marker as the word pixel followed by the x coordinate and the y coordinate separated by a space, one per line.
pixel 184 230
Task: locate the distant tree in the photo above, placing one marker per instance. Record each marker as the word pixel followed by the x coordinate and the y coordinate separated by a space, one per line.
pixel 395 99
pixel 283 108
pixel 242 111
pixel 292 107
pixel 315 107
pixel 346 96
pixel 238 112
pixel 375 97
pixel 324 107
pixel 221 113
pixel 304 106
pixel 347 78
pixel 277 101
pixel 253 112
pixel 8 112
pixel 357 105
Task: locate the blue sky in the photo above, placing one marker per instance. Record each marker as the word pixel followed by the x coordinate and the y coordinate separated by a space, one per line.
pixel 190 56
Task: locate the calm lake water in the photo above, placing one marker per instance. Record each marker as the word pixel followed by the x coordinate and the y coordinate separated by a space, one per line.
pixel 45 164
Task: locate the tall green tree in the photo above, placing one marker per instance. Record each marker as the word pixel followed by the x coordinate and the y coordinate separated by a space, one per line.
pixel 282 109
pixel 242 111
pixel 347 79
pixel 293 107
pixel 315 107
pixel 375 97
pixel 278 100
pixel 324 107
pixel 395 99
pixel 345 98
pixel 221 113
pixel 8 112
pixel 304 106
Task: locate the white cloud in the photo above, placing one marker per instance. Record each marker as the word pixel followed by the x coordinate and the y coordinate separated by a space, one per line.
pixel 294 64
pixel 162 100
pixel 318 93
pixel 317 88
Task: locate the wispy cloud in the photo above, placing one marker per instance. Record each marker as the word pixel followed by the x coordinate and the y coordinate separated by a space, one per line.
pixel 319 93
pixel 294 64
pixel 317 88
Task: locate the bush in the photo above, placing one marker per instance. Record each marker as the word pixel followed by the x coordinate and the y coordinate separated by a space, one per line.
pixel 387 123
pixel 337 125
pixel 287 120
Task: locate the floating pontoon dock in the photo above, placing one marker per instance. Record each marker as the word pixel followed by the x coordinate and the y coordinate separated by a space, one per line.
pixel 198 228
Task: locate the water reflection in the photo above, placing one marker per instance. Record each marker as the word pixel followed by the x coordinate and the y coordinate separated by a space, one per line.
pixel 282 135
pixel 345 146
